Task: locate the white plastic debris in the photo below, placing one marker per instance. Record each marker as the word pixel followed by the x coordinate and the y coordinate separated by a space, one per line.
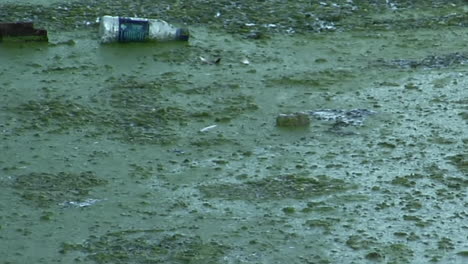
pixel 85 203
pixel 245 61
pixel 207 128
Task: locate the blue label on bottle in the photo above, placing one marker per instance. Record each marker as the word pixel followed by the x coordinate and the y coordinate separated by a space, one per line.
pixel 133 30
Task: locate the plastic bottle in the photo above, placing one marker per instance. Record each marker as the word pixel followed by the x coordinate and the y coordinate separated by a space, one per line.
pixel 129 29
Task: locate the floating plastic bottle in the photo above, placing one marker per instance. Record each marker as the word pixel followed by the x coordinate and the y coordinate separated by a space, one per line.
pixel 130 29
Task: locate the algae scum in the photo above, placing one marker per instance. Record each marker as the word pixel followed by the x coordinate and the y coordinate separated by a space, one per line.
pixel 169 152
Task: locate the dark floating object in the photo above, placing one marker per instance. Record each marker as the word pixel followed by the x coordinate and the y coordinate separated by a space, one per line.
pixel 21 31
pixel 299 119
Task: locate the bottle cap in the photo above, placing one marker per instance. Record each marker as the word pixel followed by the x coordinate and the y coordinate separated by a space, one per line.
pixel 182 34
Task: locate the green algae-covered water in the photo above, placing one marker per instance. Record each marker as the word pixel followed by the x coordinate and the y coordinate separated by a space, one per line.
pixel 153 153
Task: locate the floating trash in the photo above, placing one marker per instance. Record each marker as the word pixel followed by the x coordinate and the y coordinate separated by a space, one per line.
pixel 209 61
pixel 207 128
pixel 299 119
pixel 342 118
pixel 132 29
pixel 85 203
pixel 21 31
pixel 354 117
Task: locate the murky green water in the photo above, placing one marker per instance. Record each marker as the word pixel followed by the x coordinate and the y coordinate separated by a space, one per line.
pixel 106 159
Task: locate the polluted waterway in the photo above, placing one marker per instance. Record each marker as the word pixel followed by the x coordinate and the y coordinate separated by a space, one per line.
pixel 172 152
